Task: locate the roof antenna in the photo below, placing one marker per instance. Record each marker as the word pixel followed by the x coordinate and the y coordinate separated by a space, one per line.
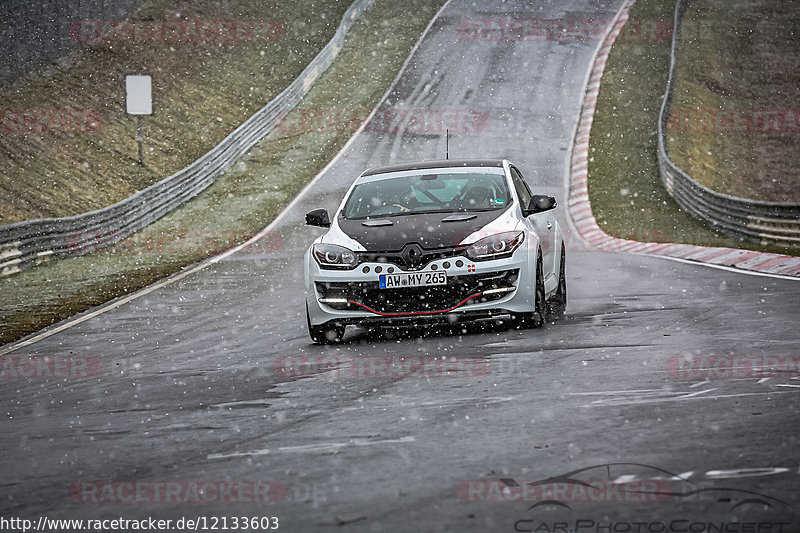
pixel 447 143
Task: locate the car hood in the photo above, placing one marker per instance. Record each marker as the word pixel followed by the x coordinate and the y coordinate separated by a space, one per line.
pixel 429 230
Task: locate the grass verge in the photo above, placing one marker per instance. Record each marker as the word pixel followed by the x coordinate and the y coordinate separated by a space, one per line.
pixel 734 125
pixel 203 88
pixel 240 203
pixel 627 196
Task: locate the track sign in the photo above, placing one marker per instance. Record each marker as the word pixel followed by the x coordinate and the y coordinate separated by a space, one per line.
pixel 139 95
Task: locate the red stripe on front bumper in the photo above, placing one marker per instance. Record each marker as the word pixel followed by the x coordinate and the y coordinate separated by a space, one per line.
pixel 418 312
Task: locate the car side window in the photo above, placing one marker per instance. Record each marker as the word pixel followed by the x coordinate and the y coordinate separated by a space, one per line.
pixel 523 192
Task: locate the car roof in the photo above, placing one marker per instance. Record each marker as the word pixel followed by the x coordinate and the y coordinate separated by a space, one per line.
pixel 442 163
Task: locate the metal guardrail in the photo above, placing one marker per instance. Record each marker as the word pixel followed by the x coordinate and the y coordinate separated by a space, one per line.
pixel 28 243
pixel 755 220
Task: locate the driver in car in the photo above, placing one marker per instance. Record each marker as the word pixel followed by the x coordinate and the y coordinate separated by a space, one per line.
pixel 479 197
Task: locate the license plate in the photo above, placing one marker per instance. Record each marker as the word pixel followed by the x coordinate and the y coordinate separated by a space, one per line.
pixel 417 279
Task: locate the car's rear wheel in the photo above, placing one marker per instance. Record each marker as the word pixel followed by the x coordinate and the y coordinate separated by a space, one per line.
pixel 557 303
pixel 329 333
pixel 537 318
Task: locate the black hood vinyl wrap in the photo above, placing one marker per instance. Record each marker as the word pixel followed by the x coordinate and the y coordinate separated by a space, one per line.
pixel 428 230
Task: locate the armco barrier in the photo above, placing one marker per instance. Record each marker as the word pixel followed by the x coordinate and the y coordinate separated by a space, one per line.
pixel 767 222
pixel 580 208
pixel 28 243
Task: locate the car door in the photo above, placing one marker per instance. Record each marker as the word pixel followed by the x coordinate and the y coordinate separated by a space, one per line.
pixel 541 223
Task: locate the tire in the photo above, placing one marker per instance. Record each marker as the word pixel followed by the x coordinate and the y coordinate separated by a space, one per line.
pixel 330 333
pixel 557 304
pixel 537 318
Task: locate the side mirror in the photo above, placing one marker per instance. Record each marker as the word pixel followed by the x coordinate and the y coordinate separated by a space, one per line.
pixel 540 203
pixel 318 217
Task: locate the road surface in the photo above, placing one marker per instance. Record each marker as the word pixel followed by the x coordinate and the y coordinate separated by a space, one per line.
pixel 192 388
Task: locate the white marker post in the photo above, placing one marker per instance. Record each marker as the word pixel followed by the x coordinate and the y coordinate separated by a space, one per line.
pixel 139 101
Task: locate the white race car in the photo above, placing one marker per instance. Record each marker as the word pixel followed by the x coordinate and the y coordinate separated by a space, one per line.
pixel 435 241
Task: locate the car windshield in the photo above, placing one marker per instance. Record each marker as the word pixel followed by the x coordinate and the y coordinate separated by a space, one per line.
pixel 434 192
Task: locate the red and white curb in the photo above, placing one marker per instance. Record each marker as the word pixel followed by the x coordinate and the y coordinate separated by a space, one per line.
pixel 580 209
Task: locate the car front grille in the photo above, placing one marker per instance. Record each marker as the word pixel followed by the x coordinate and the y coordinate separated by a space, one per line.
pixel 342 295
pixel 406 262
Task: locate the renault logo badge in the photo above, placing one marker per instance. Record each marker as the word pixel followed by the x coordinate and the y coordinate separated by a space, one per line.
pixel 412 255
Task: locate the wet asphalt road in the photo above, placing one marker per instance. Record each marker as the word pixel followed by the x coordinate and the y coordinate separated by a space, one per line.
pixel 193 390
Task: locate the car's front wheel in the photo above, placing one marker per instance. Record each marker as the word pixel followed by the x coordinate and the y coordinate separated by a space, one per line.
pixel 329 333
pixel 537 318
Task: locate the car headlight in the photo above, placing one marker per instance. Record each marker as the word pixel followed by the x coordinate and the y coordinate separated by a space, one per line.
pixel 495 246
pixel 333 256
